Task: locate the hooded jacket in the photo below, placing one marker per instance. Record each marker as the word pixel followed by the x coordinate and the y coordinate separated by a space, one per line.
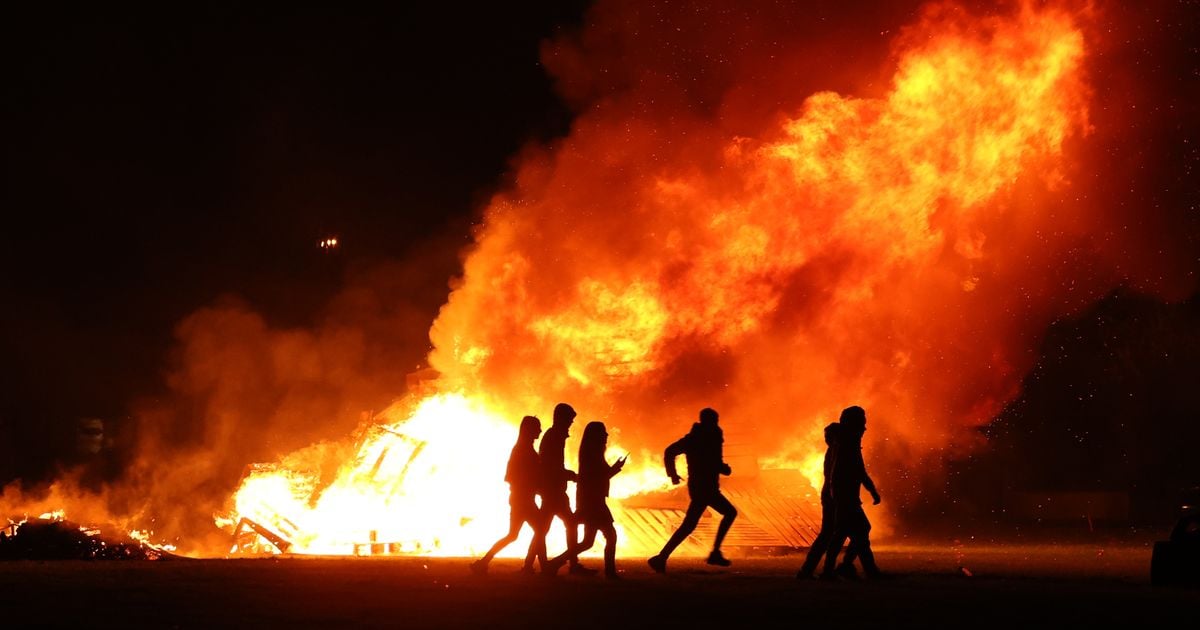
pixel 703 447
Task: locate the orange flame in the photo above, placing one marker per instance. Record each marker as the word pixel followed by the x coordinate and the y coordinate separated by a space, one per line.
pixel 858 252
pixel 422 482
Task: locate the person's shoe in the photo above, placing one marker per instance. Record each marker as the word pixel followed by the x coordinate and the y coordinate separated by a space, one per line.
pixel 658 563
pixel 716 559
pixel 828 576
pixel 579 569
pixel 479 567
pixel 804 574
pixel 550 569
pixel 611 575
pixel 528 570
pixel 876 574
pixel 847 571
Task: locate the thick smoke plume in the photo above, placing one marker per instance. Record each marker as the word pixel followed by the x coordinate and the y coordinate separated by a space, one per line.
pixel 719 231
pixel 241 390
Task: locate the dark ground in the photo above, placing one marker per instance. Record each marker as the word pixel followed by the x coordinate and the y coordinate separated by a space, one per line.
pixel 1013 585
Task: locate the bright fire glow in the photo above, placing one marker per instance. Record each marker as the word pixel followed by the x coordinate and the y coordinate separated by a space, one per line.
pixel 147 538
pixel 887 251
pixel 428 483
pixel 597 311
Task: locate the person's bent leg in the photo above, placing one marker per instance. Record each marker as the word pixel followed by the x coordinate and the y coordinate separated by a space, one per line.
pixel 514 529
pixel 572 525
pixel 868 558
pixel 537 546
pixel 831 553
pixel 496 548
pixel 852 552
pixel 820 544
pixel 572 522
pixel 585 543
pixel 856 526
pixel 690 520
pixel 572 552
pixel 864 550
pixel 856 548
pixel 815 552
pixel 728 514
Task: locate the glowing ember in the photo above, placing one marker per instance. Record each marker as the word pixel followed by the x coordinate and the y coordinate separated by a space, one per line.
pixel 147 538
pixel 51 536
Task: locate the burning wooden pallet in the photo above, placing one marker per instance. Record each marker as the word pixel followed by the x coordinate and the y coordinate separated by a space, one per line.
pixel 771 518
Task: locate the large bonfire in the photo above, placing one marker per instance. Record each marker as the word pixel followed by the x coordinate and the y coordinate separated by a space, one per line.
pixel 773 252
pixel 851 251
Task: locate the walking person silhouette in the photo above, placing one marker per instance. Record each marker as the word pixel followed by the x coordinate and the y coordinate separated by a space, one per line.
pixel 524 477
pixel 705 460
pixel 555 476
pixel 591 492
pixel 848 475
pixel 828 511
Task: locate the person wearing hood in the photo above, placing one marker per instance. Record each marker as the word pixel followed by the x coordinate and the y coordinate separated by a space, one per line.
pixel 705 461
pixel 848 475
pixel 524 480
pixel 555 475
pixel 828 511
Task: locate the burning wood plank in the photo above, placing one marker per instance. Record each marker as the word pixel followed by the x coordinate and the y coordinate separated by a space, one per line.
pixel 246 524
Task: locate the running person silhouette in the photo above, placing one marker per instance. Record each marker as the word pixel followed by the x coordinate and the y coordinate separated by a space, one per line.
pixel 705 460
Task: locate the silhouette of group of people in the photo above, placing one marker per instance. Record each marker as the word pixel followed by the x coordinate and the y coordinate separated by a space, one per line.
pixel 542 472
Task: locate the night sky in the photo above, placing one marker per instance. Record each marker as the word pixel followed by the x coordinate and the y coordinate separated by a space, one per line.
pixel 158 161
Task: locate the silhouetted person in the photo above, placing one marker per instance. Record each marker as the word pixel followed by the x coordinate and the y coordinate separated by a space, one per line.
pixel 821 543
pixel 591 492
pixel 706 463
pixel 848 475
pixel 555 476
pixel 524 475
